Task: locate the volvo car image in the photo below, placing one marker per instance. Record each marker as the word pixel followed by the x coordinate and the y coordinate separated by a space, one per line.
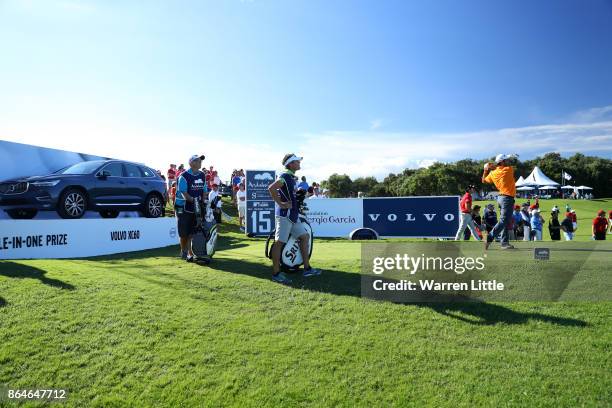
pixel 104 186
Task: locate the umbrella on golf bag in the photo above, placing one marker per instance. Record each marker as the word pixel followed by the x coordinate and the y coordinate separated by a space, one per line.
pixel 204 239
pixel 291 256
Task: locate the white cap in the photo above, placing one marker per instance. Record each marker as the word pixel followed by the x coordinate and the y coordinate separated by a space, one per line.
pixel 292 159
pixel 501 157
pixel 196 157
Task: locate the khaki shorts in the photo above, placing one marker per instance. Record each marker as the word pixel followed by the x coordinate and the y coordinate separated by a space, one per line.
pixel 284 228
pixel 242 211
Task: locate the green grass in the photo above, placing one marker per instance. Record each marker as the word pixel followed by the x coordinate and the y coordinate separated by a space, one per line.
pixel 144 329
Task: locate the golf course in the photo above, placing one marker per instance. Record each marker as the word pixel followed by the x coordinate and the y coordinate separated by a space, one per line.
pixel 146 329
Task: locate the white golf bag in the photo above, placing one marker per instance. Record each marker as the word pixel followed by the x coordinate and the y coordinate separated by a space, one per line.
pixel 291 256
pixel 204 239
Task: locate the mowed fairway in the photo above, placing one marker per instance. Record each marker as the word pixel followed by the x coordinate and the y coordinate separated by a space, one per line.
pixel 145 329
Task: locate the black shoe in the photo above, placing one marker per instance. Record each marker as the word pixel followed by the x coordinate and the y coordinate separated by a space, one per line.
pixel 190 258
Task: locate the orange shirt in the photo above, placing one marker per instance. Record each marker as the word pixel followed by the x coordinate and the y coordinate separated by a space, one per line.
pixel 503 178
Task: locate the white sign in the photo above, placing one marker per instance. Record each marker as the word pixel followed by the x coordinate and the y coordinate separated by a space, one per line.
pixel 32 239
pixel 334 217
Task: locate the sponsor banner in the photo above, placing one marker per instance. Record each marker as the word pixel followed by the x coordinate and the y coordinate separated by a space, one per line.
pixel 27 239
pixel 415 217
pixel 334 217
pixel 259 204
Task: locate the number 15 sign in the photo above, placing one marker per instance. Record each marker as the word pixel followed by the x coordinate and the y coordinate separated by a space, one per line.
pixel 259 205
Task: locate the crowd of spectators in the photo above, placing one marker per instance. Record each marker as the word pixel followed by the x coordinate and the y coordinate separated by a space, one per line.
pixel 527 223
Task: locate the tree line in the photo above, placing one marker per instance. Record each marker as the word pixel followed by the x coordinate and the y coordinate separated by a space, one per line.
pixel 452 178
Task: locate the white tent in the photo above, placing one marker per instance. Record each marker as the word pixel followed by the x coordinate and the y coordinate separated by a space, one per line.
pixel 568 187
pixel 583 188
pixel 548 188
pixel 538 178
pixel 525 188
pixel 522 182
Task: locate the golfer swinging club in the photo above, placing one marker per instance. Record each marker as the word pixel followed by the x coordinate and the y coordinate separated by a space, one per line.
pixel 287 220
pixel 502 176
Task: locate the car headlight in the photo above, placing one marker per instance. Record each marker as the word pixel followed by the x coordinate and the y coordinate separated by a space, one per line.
pixel 51 183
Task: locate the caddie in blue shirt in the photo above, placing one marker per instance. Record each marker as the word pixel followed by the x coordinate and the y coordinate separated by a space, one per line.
pixel 287 218
pixel 191 186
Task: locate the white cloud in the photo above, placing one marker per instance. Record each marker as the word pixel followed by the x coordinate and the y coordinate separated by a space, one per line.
pixel 357 153
pixel 375 124
pixel 593 114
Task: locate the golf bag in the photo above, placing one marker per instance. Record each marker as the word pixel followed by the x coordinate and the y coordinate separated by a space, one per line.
pixel 204 239
pixel 291 256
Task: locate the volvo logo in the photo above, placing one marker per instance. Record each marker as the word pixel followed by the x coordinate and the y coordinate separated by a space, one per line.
pixel 408 217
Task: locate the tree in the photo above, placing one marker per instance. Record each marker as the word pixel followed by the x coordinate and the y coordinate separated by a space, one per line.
pixel 364 185
pixel 339 185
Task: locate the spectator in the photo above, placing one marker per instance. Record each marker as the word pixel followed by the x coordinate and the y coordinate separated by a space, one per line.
pixel 303 185
pixel 466 221
pixel 574 219
pixel 554 227
pixel 171 175
pixel 537 222
pixel 209 180
pixel 567 226
pixel 180 170
pixel 216 178
pixel 600 225
pixel 214 198
pixel 477 219
pixel 526 217
pixel 510 227
pixel 241 201
pixel 316 189
pixel 610 220
pixel 490 217
pixel 518 222
pixel 235 184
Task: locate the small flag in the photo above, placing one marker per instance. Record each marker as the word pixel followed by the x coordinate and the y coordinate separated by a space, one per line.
pixel 566 176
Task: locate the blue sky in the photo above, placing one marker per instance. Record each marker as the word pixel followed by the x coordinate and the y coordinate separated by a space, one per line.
pixel 364 87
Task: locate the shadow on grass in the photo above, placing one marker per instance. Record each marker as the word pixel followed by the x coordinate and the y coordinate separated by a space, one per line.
pixel 20 271
pixel 344 283
pixel 481 313
pixel 2 302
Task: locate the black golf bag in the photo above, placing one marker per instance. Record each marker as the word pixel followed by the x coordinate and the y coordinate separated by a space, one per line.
pixel 204 239
pixel 291 256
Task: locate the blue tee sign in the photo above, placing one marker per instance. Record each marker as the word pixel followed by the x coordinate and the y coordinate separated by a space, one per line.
pixel 259 205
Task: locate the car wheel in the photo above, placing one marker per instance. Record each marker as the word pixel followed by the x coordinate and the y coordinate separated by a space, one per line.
pixel 22 214
pixel 72 204
pixel 109 214
pixel 153 206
